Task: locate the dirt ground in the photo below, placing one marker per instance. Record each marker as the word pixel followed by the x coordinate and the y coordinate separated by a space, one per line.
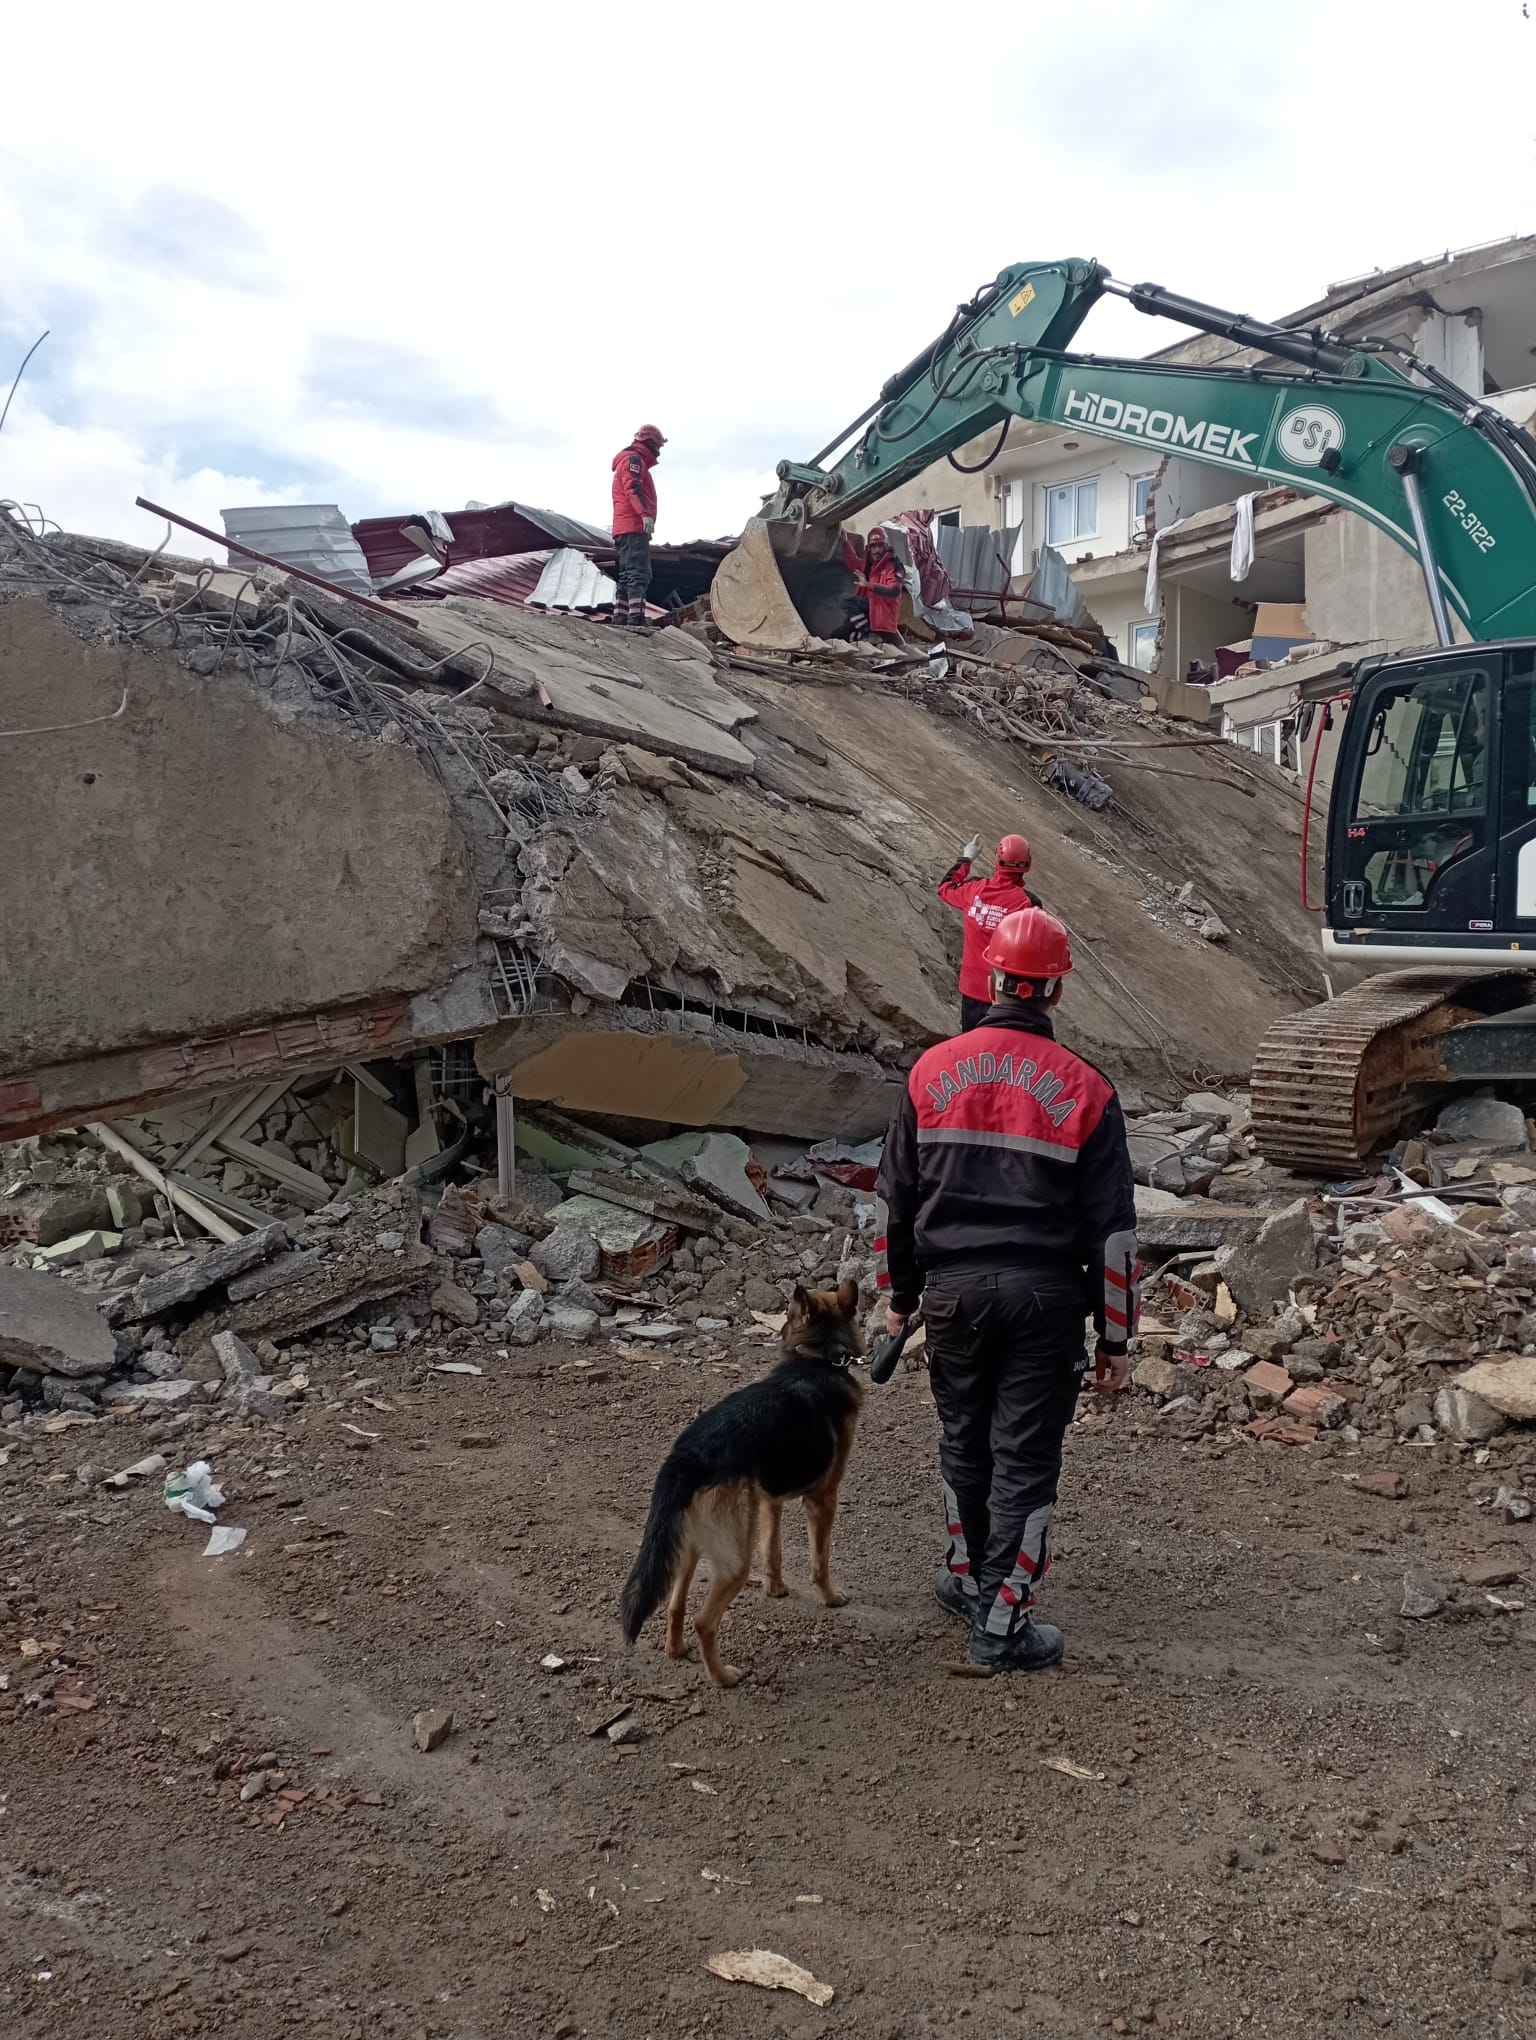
pixel 1303 1815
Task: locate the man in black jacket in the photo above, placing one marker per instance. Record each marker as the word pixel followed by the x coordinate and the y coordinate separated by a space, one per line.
pixel 1008 1205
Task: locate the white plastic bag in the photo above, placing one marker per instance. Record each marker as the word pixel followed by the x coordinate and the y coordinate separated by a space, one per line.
pixel 192 1492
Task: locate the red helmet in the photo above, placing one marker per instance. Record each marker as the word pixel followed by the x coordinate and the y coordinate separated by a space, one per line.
pixel 1030 944
pixel 1013 854
pixel 651 435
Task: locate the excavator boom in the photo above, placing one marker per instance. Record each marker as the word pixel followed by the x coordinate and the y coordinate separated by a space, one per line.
pixel 1453 482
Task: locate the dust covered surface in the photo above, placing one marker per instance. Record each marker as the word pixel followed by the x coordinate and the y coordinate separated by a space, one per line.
pixel 1311 1815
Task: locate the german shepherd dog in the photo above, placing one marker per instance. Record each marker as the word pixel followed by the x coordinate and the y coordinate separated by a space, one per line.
pixel 737 1464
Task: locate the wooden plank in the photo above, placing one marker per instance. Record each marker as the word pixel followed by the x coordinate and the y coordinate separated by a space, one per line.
pixel 305 1186
pixel 184 1200
pixel 234 1115
pixel 221 1200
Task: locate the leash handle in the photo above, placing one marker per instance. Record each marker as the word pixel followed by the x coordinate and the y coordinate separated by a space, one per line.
pixel 890 1350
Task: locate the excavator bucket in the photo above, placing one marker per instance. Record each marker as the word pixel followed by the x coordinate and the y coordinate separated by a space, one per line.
pixel 778 600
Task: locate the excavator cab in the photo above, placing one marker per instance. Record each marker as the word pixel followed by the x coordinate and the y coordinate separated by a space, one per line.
pixel 1432 823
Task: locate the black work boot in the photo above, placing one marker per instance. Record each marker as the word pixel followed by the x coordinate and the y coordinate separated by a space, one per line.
pixel 1031 1647
pixel 955 1594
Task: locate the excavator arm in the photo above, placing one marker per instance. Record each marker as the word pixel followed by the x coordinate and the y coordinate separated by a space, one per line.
pixel 1452 481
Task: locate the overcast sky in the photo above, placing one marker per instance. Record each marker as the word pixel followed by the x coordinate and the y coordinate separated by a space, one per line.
pixel 398 257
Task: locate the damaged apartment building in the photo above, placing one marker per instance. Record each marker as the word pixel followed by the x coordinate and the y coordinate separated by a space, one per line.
pixel 1260 599
pixel 319 887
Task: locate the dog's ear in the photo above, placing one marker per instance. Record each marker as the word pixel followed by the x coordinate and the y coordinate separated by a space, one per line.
pixel 848 1295
pixel 800 1302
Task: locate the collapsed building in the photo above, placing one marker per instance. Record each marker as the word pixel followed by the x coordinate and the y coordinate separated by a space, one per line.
pixel 270 831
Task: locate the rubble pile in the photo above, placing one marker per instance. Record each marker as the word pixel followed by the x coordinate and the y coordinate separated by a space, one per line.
pixel 681 1247
pixel 1392 1313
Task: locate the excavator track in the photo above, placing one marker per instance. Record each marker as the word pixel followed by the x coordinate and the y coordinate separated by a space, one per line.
pixel 1334 1082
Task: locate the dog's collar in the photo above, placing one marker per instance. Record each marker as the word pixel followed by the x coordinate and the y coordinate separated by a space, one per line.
pixel 802 1353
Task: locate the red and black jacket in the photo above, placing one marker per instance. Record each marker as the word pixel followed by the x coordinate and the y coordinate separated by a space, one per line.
pixel 634 492
pixel 985 903
pixel 1009 1151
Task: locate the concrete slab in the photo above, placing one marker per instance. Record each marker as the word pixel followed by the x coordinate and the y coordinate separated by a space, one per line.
pixel 622 1063
pixel 48 1328
pixel 659 692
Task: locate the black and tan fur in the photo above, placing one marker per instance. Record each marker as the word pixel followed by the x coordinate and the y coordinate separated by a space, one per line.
pixel 730 1473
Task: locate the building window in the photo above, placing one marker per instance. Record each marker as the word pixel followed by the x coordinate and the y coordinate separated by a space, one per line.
pixel 1277 741
pixel 1071 512
pixel 1143 645
pixel 949 517
pixel 1141 502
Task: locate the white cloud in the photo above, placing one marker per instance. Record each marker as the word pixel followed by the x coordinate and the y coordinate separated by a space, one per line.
pixel 735 225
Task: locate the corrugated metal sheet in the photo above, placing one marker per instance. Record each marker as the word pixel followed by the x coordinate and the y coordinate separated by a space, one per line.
pixel 510 580
pixel 975 557
pixel 495 533
pixel 314 536
pixel 571 581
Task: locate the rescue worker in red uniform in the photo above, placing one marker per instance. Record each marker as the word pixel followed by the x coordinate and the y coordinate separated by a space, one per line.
pixel 1007 1205
pixel 634 519
pixel 878 580
pixel 986 904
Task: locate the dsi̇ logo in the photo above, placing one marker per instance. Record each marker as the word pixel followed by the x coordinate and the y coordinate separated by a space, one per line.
pixel 1309 432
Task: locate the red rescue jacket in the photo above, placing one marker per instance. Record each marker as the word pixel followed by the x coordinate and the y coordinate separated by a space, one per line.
pixel 634 493
pixel 984 902
pixel 1009 1151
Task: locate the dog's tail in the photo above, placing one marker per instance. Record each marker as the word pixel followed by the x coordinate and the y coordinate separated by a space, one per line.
pixel 676 1485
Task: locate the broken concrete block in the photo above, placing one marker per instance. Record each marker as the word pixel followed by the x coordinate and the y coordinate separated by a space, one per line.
pixel 719 1169
pixel 157 1294
pixel 500 1250
pixel 579 1295
pixel 1157 1377
pixel 165 1397
pixel 525 1316
pixel 1186 1175
pixel 48 1328
pixel 79 1248
pixel 1466 1417
pixel 1210 1105
pixel 564 1321
pixel 1488 1121
pixel 236 1360
pixel 1260 1271
pixel 431 1727
pixel 569 1250
pixel 532 1277
pixel 450 1301
pixel 1508 1386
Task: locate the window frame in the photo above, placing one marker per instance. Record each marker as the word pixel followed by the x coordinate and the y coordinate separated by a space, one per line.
pixel 1076 483
pixel 1139 518
pixel 1139 628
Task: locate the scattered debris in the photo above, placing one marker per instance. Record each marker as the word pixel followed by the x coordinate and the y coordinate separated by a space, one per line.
pixel 431 1727
pixel 192 1492
pixel 772 1972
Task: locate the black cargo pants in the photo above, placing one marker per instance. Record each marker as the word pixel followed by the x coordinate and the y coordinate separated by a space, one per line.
pixel 972 1012
pixel 632 572
pixel 1006 1354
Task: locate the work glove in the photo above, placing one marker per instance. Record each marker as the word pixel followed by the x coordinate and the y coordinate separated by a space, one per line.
pixel 969 853
pixel 650 525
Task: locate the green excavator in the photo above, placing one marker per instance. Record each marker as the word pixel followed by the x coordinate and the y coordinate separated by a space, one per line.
pixel 1431 832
